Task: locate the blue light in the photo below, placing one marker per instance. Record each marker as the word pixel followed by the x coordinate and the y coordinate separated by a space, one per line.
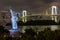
pixel 14 20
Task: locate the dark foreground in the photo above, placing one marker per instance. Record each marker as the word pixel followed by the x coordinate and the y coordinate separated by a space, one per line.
pixel 30 34
pixel 36 22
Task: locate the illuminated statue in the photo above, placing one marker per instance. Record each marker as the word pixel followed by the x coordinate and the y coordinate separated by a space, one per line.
pixel 14 19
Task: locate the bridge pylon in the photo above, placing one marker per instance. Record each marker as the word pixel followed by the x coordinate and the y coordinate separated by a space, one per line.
pixel 24 13
pixel 54 12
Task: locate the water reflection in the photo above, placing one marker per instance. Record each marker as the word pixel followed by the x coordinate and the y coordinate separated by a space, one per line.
pixel 42 27
pixel 54 27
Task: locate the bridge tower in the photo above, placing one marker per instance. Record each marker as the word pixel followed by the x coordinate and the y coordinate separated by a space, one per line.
pixel 24 14
pixel 54 12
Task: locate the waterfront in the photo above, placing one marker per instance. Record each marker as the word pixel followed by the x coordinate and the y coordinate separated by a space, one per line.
pixel 41 27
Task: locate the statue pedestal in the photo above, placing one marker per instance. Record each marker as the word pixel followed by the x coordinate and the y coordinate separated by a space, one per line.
pixel 14 33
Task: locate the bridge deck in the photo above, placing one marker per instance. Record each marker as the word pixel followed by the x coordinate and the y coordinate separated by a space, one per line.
pixel 40 15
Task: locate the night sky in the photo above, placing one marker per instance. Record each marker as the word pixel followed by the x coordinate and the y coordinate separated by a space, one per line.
pixel 33 6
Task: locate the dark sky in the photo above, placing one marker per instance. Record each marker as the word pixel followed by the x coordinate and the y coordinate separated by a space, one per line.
pixel 34 6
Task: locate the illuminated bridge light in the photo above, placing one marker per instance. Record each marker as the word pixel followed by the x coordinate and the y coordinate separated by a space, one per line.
pixel 24 13
pixel 54 12
pixel 14 20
